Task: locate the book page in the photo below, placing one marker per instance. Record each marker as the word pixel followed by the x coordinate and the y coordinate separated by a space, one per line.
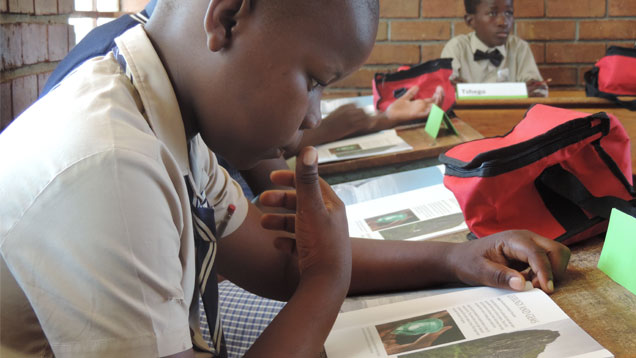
pixel 475 322
pixel 383 142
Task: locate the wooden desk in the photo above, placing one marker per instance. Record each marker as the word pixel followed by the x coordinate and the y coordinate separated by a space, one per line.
pixel 424 147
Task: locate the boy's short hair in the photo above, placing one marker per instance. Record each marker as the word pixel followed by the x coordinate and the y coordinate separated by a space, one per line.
pixel 471 6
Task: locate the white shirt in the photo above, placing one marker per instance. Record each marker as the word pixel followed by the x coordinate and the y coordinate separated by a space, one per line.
pixel 518 64
pixel 96 237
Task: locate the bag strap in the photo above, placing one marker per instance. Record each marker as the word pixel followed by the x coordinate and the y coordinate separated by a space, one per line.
pixel 591 90
pixel 565 196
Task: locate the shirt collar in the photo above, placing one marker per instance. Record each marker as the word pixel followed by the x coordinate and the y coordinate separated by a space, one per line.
pixel 155 90
pixel 477 44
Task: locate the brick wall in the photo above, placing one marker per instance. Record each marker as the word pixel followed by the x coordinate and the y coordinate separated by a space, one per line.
pixel 566 36
pixel 34 37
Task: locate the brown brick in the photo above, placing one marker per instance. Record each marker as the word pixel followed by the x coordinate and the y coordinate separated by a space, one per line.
pixel 65 6
pixel 575 8
pixel 133 5
pixel 622 8
pixel 25 92
pixel 362 78
pixel 383 31
pixel 21 6
pixel 574 52
pixel 538 50
pixel 42 78
pixel 384 54
pixel 6 115
pixel 45 7
pixel 420 30
pixel 58 41
pixel 399 8
pixel 607 29
pixel 529 8
pixel 443 8
pixel 10 46
pixel 34 43
pixel 431 52
pixel 460 28
pixel 546 30
pixel 4 7
pixel 560 76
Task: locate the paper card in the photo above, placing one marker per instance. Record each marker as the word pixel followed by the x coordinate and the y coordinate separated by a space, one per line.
pixel 498 90
pixel 618 258
pixel 434 121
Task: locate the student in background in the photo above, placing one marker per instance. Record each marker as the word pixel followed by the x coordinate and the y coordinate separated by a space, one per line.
pixel 108 214
pixel 491 53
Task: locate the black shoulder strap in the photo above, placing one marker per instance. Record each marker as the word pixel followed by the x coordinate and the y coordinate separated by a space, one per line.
pixel 591 90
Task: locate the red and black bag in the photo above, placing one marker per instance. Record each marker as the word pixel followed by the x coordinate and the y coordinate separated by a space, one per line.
pixel 387 87
pixel 557 173
pixel 614 75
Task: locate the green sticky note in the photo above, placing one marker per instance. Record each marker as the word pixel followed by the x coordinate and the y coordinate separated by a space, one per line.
pixel 434 121
pixel 618 258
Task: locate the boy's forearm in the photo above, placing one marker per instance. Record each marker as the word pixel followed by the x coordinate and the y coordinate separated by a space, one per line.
pixel 302 326
pixel 380 266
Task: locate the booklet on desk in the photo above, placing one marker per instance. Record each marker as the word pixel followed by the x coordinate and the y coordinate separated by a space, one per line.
pixel 383 142
pixel 475 322
pixel 412 205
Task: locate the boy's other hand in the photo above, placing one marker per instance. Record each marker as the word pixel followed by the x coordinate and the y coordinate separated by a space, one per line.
pixel 510 259
pixel 406 108
pixel 537 88
pixel 320 224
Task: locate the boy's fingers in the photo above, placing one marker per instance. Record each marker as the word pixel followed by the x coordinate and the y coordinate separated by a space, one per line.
pixel 279 198
pixel 411 93
pixel 439 95
pixel 308 193
pixel 280 222
pixel 282 177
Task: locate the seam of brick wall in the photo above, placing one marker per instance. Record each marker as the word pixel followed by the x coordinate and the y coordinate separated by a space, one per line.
pixel 34 69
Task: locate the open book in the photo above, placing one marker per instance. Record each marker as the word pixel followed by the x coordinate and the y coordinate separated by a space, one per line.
pixel 474 322
pixel 411 205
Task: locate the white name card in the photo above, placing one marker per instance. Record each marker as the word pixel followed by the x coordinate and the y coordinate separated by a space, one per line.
pixel 501 90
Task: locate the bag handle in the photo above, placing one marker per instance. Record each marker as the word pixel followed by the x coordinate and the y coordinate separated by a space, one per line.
pixel 591 90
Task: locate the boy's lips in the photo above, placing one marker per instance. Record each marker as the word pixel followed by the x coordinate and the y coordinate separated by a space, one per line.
pixel 502 34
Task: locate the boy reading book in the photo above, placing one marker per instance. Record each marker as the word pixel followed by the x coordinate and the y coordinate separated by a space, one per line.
pixel 112 197
pixel 491 53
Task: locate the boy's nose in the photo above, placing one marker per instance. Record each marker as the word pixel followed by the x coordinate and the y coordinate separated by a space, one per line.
pixel 313 117
pixel 502 20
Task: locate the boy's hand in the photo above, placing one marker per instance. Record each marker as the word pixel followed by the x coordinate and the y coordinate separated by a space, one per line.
pixel 537 88
pixel 494 261
pixel 320 224
pixel 406 108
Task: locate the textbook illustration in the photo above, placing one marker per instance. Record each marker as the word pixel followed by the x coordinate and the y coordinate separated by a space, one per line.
pixel 474 322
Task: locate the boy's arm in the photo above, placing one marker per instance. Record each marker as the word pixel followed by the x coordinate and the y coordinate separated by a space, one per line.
pixel 452 50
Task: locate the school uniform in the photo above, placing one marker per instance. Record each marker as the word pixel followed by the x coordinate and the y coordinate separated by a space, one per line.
pixel 97 239
pixel 515 62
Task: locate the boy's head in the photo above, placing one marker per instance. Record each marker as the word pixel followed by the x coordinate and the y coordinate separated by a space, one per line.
pixel 249 74
pixel 492 20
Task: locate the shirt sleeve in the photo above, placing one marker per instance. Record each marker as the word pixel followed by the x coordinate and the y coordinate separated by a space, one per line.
pixel 452 50
pixel 526 65
pixel 100 256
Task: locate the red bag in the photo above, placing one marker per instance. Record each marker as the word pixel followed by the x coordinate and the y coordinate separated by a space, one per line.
pixel 387 87
pixel 614 75
pixel 557 173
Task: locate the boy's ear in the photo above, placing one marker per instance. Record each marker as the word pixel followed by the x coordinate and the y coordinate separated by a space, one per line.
pixel 220 19
pixel 469 19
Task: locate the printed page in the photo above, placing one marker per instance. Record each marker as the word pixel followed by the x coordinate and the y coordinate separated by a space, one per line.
pixel 418 214
pixel 383 142
pixel 476 322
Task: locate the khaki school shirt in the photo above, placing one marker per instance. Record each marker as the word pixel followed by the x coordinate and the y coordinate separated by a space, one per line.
pixel 96 238
pixel 518 64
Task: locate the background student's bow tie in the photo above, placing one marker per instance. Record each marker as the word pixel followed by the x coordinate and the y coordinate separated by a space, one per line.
pixel 495 57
